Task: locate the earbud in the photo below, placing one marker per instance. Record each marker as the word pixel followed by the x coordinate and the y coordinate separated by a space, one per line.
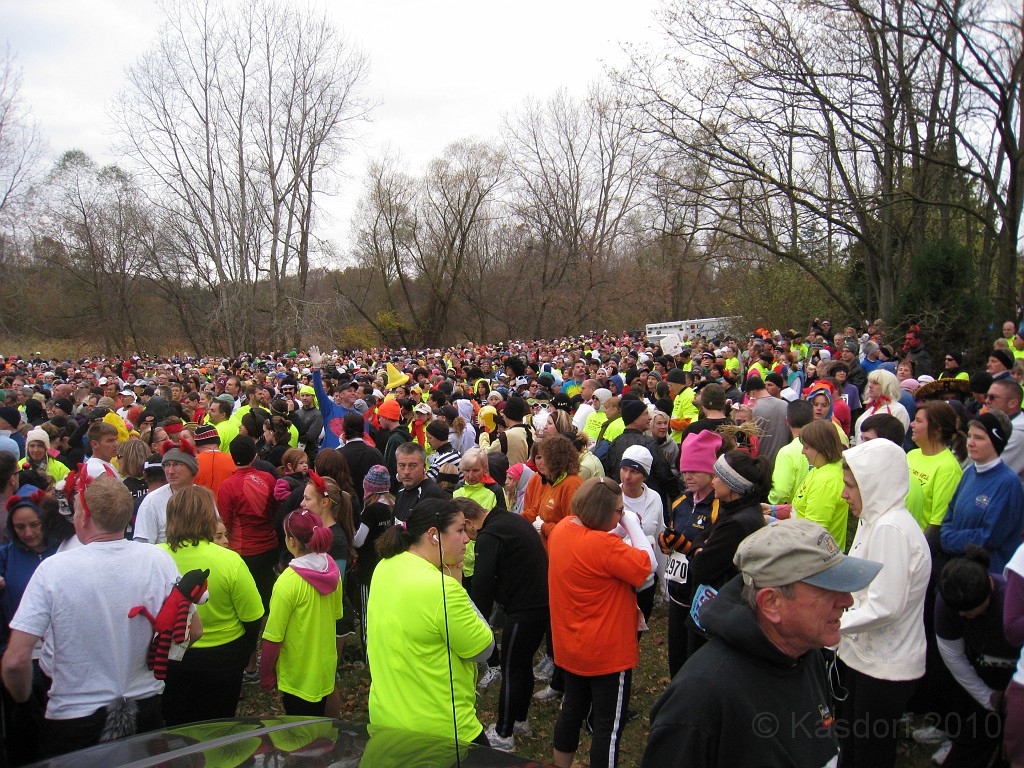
pixel 435 539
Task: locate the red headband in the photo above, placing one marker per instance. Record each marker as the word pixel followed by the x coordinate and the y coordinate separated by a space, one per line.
pixel 318 483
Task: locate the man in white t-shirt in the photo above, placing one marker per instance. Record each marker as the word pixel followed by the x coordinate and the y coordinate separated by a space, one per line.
pixel 181 465
pixel 82 597
pixel 103 441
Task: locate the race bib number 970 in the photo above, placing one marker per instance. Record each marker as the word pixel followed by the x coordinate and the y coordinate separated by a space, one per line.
pixel 677 569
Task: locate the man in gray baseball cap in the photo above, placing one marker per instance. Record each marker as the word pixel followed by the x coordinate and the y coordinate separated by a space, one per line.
pixel 757 693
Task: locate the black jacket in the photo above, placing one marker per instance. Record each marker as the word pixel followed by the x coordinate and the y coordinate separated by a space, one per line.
pixel 661 479
pixel 406 499
pixel 740 677
pixel 511 568
pixel 712 563
pixel 360 457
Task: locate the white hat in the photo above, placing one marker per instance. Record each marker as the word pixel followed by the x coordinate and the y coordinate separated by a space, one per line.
pixel 639 458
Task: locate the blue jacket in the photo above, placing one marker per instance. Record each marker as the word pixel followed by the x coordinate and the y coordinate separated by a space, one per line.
pixel 987 509
pixel 333 413
pixel 17 564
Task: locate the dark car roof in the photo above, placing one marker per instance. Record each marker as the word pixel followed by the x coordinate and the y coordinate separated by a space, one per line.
pixel 321 742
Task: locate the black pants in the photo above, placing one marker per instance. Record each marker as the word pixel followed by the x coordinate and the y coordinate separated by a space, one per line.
pixel 261 567
pixel 645 602
pixel 977 736
pixel 192 695
pixel 519 642
pixel 557 682
pixel 63 736
pixel 677 636
pixel 23 723
pixel 869 718
pixel 608 696
pixel 293 705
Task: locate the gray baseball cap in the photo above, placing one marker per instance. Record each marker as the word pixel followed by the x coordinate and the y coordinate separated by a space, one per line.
pixel 788 551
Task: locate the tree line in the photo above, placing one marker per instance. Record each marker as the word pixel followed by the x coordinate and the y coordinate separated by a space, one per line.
pixel 772 160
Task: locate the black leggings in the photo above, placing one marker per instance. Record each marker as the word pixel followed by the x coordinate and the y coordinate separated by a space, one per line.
pixel 608 696
pixel 870 718
pixel 293 705
pixel 519 642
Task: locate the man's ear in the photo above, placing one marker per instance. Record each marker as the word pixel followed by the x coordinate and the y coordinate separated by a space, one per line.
pixel 769 603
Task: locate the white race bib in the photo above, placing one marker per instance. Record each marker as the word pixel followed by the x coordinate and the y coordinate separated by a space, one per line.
pixel 677 568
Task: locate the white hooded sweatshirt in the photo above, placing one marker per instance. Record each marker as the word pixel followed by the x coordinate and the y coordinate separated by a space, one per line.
pixel 883 633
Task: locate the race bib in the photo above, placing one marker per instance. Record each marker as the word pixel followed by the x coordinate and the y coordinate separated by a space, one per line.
pixel 677 568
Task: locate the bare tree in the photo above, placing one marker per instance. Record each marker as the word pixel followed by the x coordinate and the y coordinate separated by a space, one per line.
pixel 239 115
pixel 21 145
pixel 576 178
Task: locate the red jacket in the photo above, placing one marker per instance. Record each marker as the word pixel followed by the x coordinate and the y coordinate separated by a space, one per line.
pixel 246 505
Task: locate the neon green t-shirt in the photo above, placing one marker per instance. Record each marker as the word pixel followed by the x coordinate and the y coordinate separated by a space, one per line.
pixel 303 621
pixel 938 476
pixel 915 504
pixel 233 594
pixel 820 498
pixel 732 364
pixel 614 429
pixel 593 426
pixel 485 497
pixel 683 408
pixel 790 470
pixel 408 652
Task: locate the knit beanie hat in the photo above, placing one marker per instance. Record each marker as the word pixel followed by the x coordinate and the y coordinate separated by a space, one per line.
pixel 997 432
pixel 390 409
pixel 242 450
pixel 377 480
pixel 713 397
pixel 38 435
pixel 675 376
pixel 438 430
pixel 11 415
pixel 207 435
pixel 699 451
pixel 639 458
pixel 631 410
pixel 183 453
pixel 1004 357
pixel 515 409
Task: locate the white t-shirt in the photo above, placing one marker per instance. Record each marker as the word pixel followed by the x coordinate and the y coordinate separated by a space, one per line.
pixel 82 596
pixel 584 412
pixel 1016 565
pixel 151 522
pixel 97 467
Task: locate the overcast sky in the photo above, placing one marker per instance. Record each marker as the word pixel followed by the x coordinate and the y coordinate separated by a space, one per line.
pixel 441 70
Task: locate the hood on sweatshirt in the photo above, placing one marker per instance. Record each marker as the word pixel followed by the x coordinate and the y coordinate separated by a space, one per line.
pixel 319 570
pixel 882 474
pixel 728 617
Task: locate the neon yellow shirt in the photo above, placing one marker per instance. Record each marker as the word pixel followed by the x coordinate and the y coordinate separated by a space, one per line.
pixel 408 652
pixel 302 620
pixel 683 408
pixel 790 470
pixel 593 425
pixel 233 594
pixel 820 498
pixel 938 476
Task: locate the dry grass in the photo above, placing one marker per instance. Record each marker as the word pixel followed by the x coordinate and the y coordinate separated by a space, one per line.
pixel 649 680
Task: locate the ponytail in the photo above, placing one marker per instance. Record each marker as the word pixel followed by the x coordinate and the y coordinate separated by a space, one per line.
pixel 309 530
pixel 427 514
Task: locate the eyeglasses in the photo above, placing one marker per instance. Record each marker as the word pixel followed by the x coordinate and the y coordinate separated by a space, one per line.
pixel 950 360
pixel 991 398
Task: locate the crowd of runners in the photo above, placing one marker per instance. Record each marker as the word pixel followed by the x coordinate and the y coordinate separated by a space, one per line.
pixel 510 515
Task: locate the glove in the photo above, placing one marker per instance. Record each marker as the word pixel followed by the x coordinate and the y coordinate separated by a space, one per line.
pixel 538 524
pixel 670 540
pixel 315 357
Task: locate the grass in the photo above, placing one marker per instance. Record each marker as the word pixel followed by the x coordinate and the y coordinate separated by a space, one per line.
pixel 649 681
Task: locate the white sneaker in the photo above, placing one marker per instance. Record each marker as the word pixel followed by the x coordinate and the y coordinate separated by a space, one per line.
pixel 522 728
pixel 942 752
pixel 493 674
pixel 547 694
pixel 544 668
pixel 929 735
pixel 500 743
